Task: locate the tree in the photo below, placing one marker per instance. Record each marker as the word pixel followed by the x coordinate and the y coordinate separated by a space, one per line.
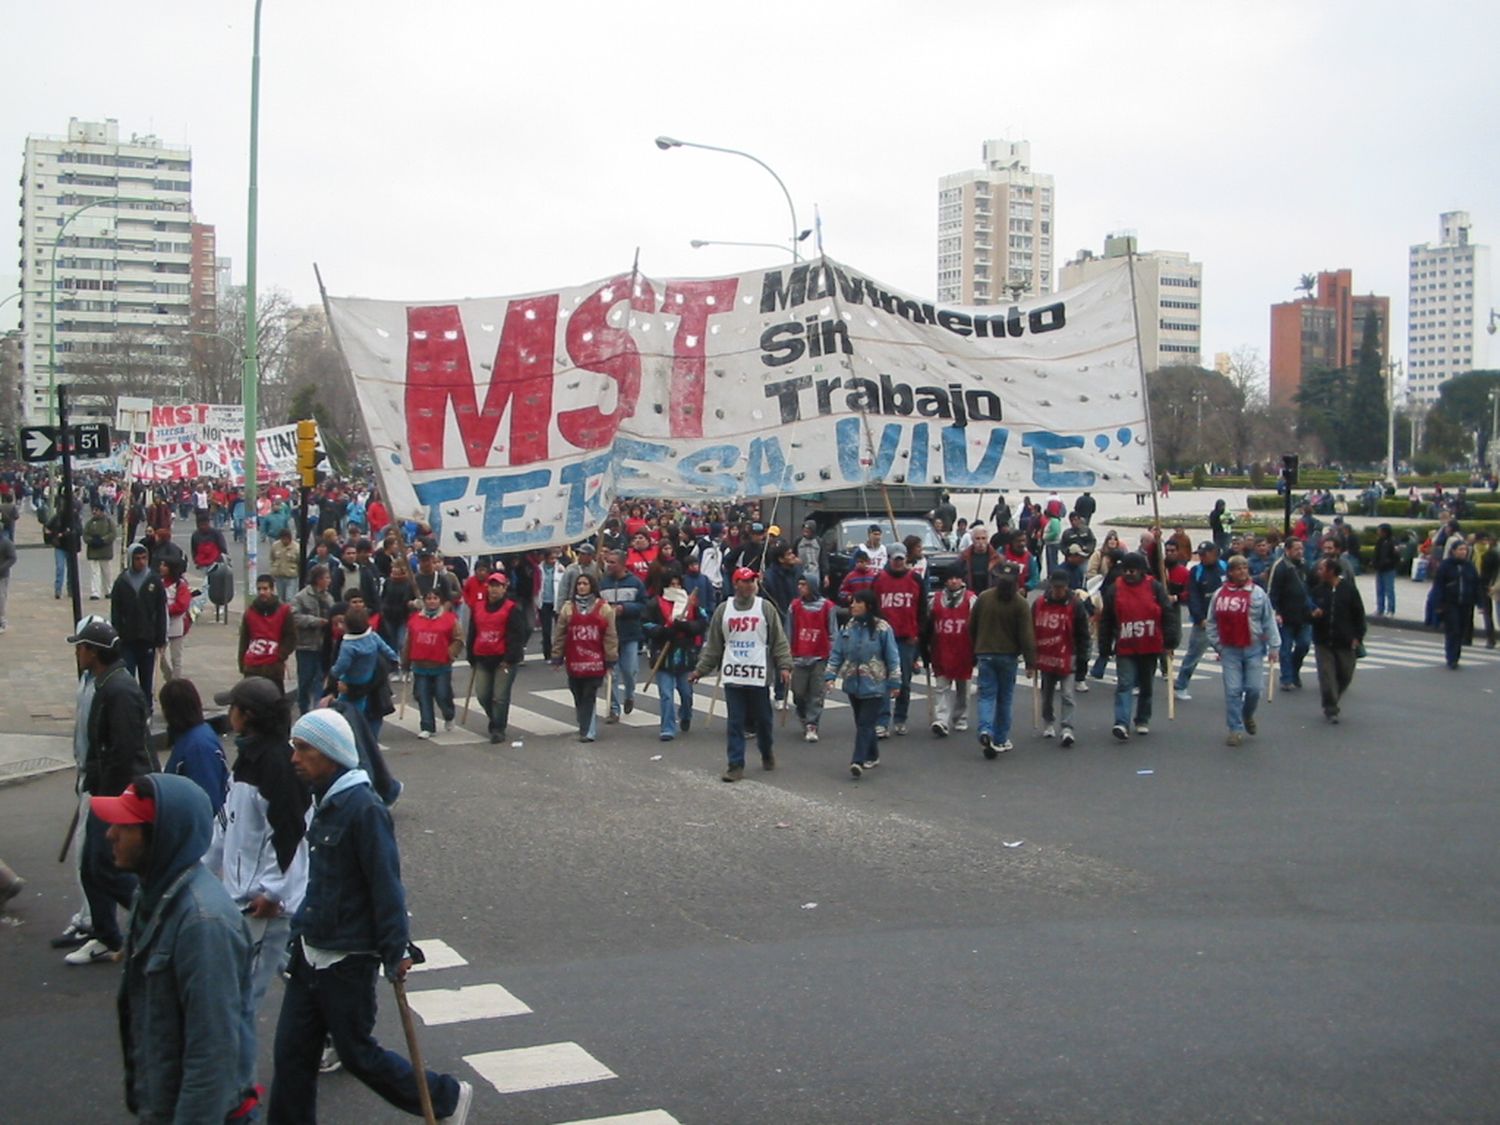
pixel 1200 416
pixel 1321 401
pixel 145 363
pixel 1244 423
pixel 1307 284
pixel 319 386
pixel 1462 409
pixel 217 357
pixel 1363 430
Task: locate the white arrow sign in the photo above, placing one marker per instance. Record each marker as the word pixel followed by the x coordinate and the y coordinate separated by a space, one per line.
pixel 40 444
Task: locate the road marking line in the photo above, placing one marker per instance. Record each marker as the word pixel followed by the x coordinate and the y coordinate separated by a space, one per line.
pixel 458 736
pixel 533 722
pixel 649 1117
pixel 538 1068
pixel 637 718
pixel 456 1005
pixel 440 955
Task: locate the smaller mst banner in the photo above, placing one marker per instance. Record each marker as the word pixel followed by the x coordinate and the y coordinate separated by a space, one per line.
pixel 513 422
pixel 173 452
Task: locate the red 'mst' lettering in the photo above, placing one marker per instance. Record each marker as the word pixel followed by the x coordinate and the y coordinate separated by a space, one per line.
pixel 438 370
pixel 693 302
pixel 594 345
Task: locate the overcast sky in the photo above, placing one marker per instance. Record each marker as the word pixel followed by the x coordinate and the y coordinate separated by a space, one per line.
pixel 473 147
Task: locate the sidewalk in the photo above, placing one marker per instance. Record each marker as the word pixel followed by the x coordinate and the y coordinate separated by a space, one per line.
pixel 38 677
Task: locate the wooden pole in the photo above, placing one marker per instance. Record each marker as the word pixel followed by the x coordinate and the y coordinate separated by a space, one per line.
pixel 424 1095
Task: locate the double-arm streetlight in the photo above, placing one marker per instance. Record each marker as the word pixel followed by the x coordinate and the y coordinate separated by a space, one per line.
pixel 250 372
pixel 700 243
pixel 665 143
pixel 1390 419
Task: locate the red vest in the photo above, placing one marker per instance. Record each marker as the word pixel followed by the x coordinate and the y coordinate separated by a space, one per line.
pixel 265 637
pixel 1053 623
pixel 1138 615
pixel 583 648
pixel 429 638
pixel 952 647
pixel 810 632
pixel 1232 615
pixel 639 563
pixel 490 626
pixel 898 602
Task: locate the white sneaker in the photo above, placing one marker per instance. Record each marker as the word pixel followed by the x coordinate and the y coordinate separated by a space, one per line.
pixel 460 1112
pixel 91 952
pixel 882 732
pixel 811 734
pixel 1182 694
pixel 940 729
pixel 426 734
pixel 1142 728
pixel 1004 746
pixel 329 1061
pixel 900 728
pixel 962 724
pixel 1081 685
pixel 1067 738
pixel 447 724
pixel 1050 732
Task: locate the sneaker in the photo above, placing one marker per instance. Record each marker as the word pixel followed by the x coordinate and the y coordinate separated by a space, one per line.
pixel 1142 728
pixel 496 738
pixel 1119 731
pixel 856 770
pixel 687 725
pixel 1050 732
pixel 1081 685
pixel 900 728
pixel 940 729
pixel 811 735
pixel 1250 727
pixel 426 734
pixel 1182 694
pixel 768 761
pixel 396 796
pixel 629 705
pixel 613 718
pixel 447 725
pixel 1002 747
pixel 882 732
pixel 71 938
pixel 1234 739
pixel 91 952
pixel 987 744
pixel 1331 716
pixel 585 738
pixel 1067 737
pixel 10 891
pixel 733 773
pixel 330 1060
pixel 460 1112
pixel 961 725
pixel 665 737
pixel 871 763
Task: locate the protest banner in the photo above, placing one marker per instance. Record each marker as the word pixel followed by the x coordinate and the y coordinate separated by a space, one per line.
pixel 510 423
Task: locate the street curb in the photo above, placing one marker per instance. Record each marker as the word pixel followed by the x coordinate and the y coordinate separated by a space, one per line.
pixel 32 768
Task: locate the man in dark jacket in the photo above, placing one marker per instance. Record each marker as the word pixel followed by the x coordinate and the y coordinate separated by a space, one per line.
pixel 1338 622
pixel 186 958
pixel 138 611
pixel 116 752
pixel 1003 637
pixel 1203 580
pixel 626 595
pixel 352 923
pixel 1286 585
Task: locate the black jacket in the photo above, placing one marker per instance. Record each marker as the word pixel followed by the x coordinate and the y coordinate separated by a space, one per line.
pixel 139 616
pixel 1342 621
pixel 1287 589
pixel 117 750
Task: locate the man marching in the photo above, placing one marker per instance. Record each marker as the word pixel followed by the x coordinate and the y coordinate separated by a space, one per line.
pixel 811 622
pixel 1062 631
pixel 497 644
pixel 949 652
pixel 268 635
pixel 746 637
pixel 432 644
pixel 1138 624
pixel 1241 627
pixel 902 605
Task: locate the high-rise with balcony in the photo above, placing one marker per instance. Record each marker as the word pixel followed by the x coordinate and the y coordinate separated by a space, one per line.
pixel 107 254
pixel 1448 283
pixel 995 228
pixel 1168 296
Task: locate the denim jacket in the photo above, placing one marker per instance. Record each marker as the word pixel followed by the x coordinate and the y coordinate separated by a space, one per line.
pixel 868 658
pixel 356 663
pixel 354 902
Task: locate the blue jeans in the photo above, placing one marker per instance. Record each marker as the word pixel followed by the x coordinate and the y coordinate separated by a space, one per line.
pixel 286 589
pixel 268 956
pixel 622 679
pixel 674 689
pixel 340 1001
pixel 1133 671
pixel 866 710
pixel 997 690
pixel 310 673
pixel 429 687
pixel 1295 642
pixel 60 571
pixel 492 688
pixel 1243 670
pixel 1385 591
pixel 741 703
pixel 1197 646
pixel 900 707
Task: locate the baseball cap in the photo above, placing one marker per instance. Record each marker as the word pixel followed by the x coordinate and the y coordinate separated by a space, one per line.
pixel 128 808
pixel 253 693
pixel 1207 545
pixel 896 552
pixel 757 527
pixel 585 548
pixel 497 578
pixel 1074 549
pixel 97 632
pixel 745 574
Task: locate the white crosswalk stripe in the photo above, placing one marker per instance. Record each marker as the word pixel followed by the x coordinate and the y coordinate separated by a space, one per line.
pixel 456 1005
pixel 518 1069
pixel 650 1117
pixel 439 955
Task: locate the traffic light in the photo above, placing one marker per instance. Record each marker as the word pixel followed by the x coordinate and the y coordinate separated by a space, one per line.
pixel 307 452
pixel 1289 469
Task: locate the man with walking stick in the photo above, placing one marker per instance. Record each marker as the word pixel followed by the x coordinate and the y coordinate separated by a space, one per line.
pixel 352 923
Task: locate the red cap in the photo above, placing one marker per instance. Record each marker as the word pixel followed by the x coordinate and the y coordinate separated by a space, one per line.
pixel 498 577
pixel 128 808
pixel 745 574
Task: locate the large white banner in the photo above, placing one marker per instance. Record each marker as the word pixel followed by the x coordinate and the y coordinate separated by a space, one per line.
pixel 174 452
pixel 513 422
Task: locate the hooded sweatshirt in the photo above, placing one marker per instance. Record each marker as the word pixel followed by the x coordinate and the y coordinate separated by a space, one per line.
pixel 180 1022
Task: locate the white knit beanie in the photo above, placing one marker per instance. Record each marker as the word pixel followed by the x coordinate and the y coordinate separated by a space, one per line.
pixel 329 733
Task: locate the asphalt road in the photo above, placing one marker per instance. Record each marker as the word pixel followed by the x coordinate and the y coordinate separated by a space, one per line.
pixel 1302 929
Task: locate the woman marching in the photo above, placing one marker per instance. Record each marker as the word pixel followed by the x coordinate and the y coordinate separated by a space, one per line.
pixel 865 651
pixel 588 646
pixel 674 626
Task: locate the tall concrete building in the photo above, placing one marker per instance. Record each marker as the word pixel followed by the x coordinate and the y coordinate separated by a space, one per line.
pixel 995 228
pixel 1168 297
pixel 1449 302
pixel 1323 331
pixel 116 217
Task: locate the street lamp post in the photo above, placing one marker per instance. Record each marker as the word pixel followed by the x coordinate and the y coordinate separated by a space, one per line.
pixel 700 243
pixel 1390 420
pixel 665 143
pixel 251 371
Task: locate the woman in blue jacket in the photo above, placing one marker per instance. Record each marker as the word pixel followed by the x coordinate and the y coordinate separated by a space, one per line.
pixel 197 752
pixel 865 652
